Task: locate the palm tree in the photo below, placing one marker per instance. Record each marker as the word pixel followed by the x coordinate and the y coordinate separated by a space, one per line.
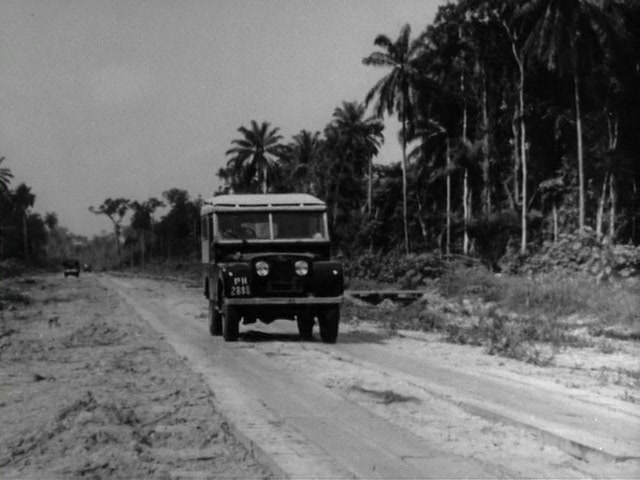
pixel 433 144
pixel 305 152
pixel 5 179
pixel 53 236
pixel 567 36
pixel 255 155
pixel 394 92
pixel 51 220
pixel 358 138
pixel 23 200
pixel 506 19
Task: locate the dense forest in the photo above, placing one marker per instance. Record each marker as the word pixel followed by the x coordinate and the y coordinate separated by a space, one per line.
pixel 519 123
pixel 518 118
pixel 23 233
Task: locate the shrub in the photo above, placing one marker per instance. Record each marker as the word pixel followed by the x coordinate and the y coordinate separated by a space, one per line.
pixel 580 252
pixel 477 281
pixel 7 295
pixel 408 271
pixel 492 234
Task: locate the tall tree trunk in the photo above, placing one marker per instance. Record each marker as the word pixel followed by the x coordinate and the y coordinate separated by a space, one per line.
pixel 555 222
pixel 448 247
pixel 421 222
pixel 116 229
pixel 407 248
pixel 516 152
pixel 264 179
pixel 612 211
pixel 375 217
pixel 336 193
pixel 519 114
pixel 465 211
pixel 486 163
pixel 634 219
pixel 523 156
pixel 612 129
pixel 465 182
pixel 142 250
pixel 370 188
pixel 25 238
pixel 601 203
pixel 576 91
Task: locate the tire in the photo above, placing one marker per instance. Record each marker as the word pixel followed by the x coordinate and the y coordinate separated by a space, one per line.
pixel 305 326
pixel 230 324
pixel 215 320
pixel 329 325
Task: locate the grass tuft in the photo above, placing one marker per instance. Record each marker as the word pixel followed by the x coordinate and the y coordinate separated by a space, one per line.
pixel 549 295
pixel 8 295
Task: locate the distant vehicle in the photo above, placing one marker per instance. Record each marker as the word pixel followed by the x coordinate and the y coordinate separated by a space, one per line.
pixel 87 268
pixel 71 267
pixel 267 257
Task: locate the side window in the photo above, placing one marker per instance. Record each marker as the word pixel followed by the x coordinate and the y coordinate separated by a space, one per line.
pixel 210 226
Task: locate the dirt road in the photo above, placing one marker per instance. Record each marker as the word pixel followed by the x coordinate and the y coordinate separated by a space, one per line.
pixel 374 405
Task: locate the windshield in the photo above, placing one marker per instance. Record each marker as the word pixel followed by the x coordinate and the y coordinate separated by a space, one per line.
pixel 302 225
pixel 243 226
pixel 286 225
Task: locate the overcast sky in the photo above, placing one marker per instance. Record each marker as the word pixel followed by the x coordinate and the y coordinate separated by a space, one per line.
pixel 128 98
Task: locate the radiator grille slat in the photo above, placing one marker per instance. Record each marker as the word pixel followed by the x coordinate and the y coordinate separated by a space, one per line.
pixel 282 278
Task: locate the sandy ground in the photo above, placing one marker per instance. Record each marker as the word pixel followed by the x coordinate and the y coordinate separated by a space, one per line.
pixel 394 397
pixel 89 390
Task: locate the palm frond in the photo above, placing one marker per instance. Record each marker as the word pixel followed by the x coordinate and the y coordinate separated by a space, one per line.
pixel 379 59
pixel 383 41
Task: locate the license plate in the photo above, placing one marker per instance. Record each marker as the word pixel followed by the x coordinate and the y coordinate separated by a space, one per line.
pixel 240 287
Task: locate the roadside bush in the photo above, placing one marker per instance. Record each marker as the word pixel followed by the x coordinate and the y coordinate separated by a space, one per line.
pixel 552 295
pixel 560 296
pixel 458 282
pixel 492 234
pixel 10 296
pixel 531 339
pixel 407 271
pixel 580 252
pixel 11 268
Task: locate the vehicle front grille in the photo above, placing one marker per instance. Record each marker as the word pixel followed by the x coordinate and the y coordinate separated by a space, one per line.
pixel 282 278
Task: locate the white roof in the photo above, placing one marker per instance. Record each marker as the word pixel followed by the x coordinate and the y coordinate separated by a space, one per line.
pixel 262 200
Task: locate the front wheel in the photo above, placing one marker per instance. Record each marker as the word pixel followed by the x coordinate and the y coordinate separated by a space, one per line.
pixel 231 324
pixel 305 326
pixel 215 319
pixel 329 324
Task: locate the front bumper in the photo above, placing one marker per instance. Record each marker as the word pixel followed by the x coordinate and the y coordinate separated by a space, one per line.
pixel 280 301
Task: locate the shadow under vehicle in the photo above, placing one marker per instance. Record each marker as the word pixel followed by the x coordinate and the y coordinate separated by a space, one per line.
pixel 267 257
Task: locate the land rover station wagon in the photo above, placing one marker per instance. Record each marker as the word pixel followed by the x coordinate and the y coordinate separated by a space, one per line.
pixel 267 257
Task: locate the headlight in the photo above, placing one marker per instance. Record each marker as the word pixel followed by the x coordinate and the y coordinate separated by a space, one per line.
pixel 302 267
pixel 262 268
